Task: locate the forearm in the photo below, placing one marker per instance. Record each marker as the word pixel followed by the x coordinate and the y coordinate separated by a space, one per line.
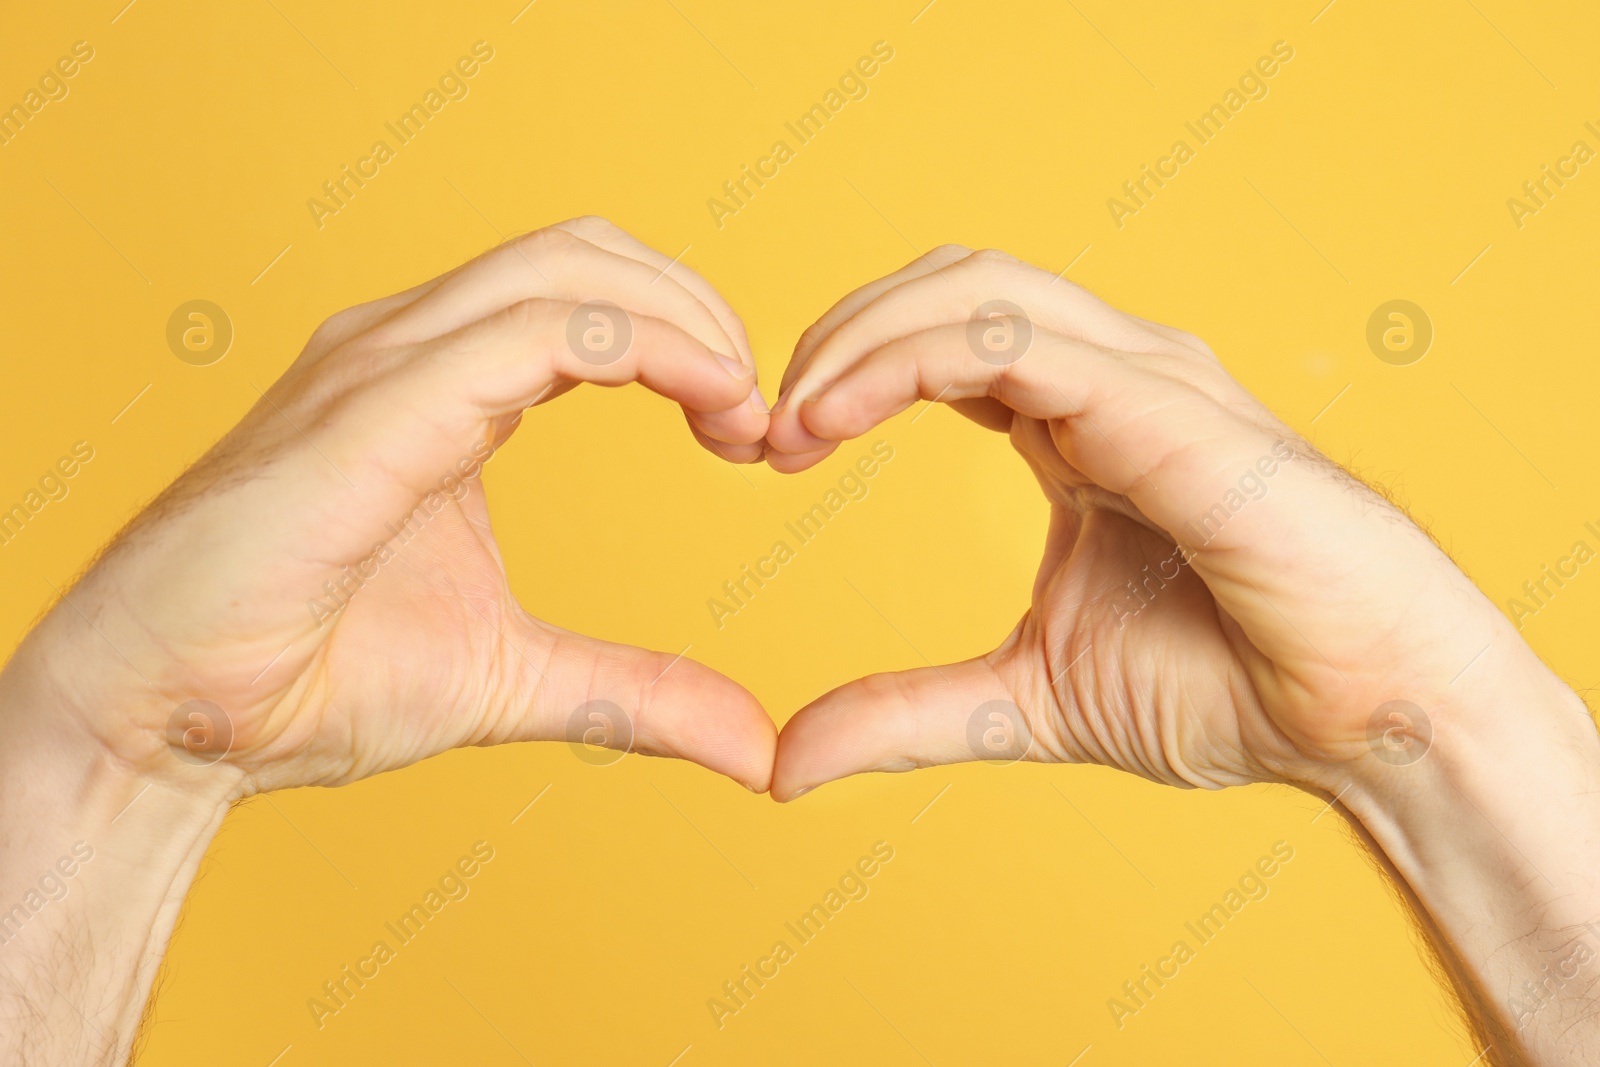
pixel 1495 834
pixel 94 865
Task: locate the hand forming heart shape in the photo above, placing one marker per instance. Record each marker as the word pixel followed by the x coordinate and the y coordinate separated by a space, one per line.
pixel 1217 604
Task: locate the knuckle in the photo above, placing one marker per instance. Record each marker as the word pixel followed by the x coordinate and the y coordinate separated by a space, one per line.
pixel 337 327
pixel 991 258
pixel 528 314
pixel 993 264
pixel 1196 343
pixel 809 338
pixel 948 253
pixel 552 240
pixel 589 227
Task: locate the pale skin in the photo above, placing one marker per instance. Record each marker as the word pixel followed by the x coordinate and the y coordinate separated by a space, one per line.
pixel 1262 657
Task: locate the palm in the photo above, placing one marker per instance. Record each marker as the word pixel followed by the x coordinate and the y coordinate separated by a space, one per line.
pixel 1309 604
pixel 414 664
pixel 410 663
pixel 1137 665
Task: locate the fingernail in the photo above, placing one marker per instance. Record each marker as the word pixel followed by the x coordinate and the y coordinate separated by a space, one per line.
pixel 783 398
pixel 757 402
pixel 733 366
pixel 798 793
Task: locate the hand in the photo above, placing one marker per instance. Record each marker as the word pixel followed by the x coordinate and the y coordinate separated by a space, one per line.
pixel 1218 603
pixel 326 575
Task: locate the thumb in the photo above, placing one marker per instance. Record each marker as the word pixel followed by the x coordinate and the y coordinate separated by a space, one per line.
pixel 899 722
pixel 610 701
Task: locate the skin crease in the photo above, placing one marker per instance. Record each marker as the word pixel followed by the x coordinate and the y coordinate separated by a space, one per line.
pixel 435 652
pixel 1262 658
pixel 1310 604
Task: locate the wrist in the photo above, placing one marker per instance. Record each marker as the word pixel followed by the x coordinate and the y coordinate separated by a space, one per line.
pixel 1502 744
pixel 95 861
pixel 1494 829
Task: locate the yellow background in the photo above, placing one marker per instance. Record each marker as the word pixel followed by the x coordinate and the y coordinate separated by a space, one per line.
pixel 1378 168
